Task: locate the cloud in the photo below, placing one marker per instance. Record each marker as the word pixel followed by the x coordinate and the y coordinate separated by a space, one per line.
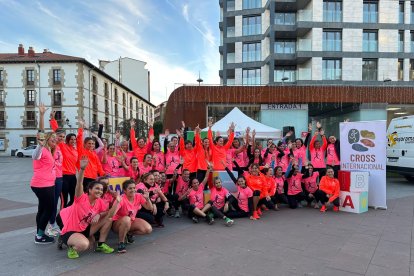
pixel 185 12
pixel 46 11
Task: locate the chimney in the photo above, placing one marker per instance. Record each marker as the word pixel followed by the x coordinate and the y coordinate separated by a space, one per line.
pixel 20 50
pixel 31 52
pixel 45 51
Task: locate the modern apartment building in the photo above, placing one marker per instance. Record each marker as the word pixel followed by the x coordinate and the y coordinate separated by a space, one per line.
pixel 72 86
pixel 320 42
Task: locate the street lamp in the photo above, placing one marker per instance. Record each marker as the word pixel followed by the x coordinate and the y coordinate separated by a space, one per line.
pixel 69 125
pixel 199 80
pixel 387 80
pixel 283 80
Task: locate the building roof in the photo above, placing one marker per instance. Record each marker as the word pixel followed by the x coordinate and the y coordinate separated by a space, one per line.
pixel 49 57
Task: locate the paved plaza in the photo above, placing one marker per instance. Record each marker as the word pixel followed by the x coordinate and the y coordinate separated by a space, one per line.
pixel 288 242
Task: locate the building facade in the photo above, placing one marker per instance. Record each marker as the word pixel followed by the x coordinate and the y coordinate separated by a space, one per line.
pixel 71 86
pixel 356 42
pixel 159 111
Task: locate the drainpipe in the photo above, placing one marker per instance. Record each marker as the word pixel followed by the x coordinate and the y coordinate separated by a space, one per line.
pixel 89 100
pixel 112 115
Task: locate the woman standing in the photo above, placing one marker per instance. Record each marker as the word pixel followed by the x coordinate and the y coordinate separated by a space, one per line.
pixel 158 157
pixel 43 181
pixel 219 149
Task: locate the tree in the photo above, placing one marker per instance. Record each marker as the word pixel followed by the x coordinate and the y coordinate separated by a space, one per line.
pixel 158 129
pixel 141 128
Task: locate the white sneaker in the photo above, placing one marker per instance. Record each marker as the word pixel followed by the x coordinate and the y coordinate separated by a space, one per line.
pixel 53 231
pixel 316 205
pixel 177 214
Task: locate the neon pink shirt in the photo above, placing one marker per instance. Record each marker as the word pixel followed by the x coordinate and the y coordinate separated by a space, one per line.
pixel 111 166
pixel 44 170
pixel 79 215
pixel 144 169
pixel 107 198
pixel 172 160
pixel 197 197
pixel 294 184
pixel 300 153
pixel 284 160
pixel 128 208
pixel 58 162
pixel 142 186
pixel 182 187
pixel 280 185
pixel 331 156
pixel 134 175
pixel 243 196
pixel 218 196
pixel 240 157
pixel 166 186
pixel 318 155
pixel 159 161
pixel 310 182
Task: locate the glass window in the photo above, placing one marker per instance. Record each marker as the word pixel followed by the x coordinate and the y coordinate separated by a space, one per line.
pixel 400 41
pixel 252 51
pixel 412 13
pixel 2 123
pixel 285 46
pixel 57 97
pixel 252 4
pixel 411 69
pixel 231 5
pixel 251 76
pixel 332 69
pixel 252 25
pixel 412 42
pixel 287 18
pixel 219 111
pixel 332 10
pixel 56 76
pixel 1 97
pixel 401 13
pixel 400 69
pixel 30 97
pixel 370 11
pixel 369 69
pixel 30 77
pixel 332 40
pixel 285 74
pixel 370 41
pixel 1 77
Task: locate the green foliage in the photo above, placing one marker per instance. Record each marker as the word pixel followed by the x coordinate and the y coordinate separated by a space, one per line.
pixel 158 129
pixel 141 128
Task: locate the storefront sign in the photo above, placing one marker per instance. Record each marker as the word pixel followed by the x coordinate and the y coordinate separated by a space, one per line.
pixel 284 107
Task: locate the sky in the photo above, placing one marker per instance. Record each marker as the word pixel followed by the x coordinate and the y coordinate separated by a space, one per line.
pixel 177 38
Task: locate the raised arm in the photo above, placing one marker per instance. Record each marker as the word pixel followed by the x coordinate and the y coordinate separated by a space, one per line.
pixel 79 182
pixel 132 135
pixel 230 133
pixel 230 173
pixel 42 111
pixel 52 122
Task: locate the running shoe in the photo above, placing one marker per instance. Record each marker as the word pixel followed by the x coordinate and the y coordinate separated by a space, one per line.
pixel 177 214
pixel 44 239
pixel 121 247
pixel 229 222
pixel 52 231
pixel 323 209
pixel 259 211
pixel 316 205
pixel 210 218
pixel 104 248
pixel 72 254
pixel 129 239
pixel 255 215
pixel 336 209
pixel 276 208
pixel 195 219
pixel 60 243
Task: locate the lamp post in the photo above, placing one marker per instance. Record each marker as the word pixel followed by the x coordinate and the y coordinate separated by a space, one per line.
pixel 199 80
pixel 69 125
pixel 283 80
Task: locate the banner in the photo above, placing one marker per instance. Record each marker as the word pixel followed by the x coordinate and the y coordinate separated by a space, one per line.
pixel 115 183
pixel 363 148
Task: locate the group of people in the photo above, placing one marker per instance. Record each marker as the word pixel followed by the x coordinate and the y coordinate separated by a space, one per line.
pixel 76 169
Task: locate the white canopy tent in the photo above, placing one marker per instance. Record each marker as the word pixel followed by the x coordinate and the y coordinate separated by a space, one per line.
pixel 242 121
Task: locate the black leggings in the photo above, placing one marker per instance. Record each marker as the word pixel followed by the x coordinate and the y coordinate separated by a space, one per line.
pixel 68 189
pixel 218 213
pixel 149 217
pixel 293 200
pixel 58 191
pixel 234 209
pixel 279 198
pixel 307 197
pixel 321 196
pixel 269 204
pixel 46 197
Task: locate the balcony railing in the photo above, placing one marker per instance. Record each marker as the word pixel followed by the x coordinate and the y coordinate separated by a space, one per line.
pixel 304 45
pixel 29 82
pixel 231 58
pixel 304 15
pixel 304 74
pixel 231 31
pixel 57 82
pixel 411 75
pixel 29 123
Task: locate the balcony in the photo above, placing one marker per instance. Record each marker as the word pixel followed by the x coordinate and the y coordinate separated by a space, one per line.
pixel 2 124
pixel 2 103
pixel 29 123
pixel 57 103
pixel 30 103
pixel 289 5
pixel 95 106
pixel 231 31
pixel 1 82
pixel 231 58
pixel 29 82
pixel 57 82
pixel 304 74
pixel 95 87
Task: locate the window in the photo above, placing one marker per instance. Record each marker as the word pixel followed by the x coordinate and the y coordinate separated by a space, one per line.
pixel 285 46
pixel 370 11
pixel 285 74
pixel 400 69
pixel 94 119
pixel 411 69
pixel 30 119
pixel 369 69
pixel 370 41
pixel 136 105
pixel 106 107
pixel 116 95
pixel 251 76
pixel 124 113
pixel 285 18
pixel 116 111
pixel 332 40
pixel 412 13
pixel 56 76
pixel 332 10
pixel 30 97
pixel 252 4
pixel 412 42
pixel 401 13
pixel 107 125
pixel 252 51
pixel 57 97
pixel 400 41
pixel 94 84
pixel 106 90
pixel 2 119
pixel 1 77
pixel 131 103
pixel 58 116
pixel 2 96
pixel 94 102
pixel 252 25
pixel 29 77
pixel 123 99
pixel 116 124
pixel 332 69
pixel 231 5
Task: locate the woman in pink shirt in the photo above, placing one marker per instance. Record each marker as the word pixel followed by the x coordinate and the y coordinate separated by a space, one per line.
pixel 158 157
pixel 310 181
pixel 317 151
pixel 218 199
pixel 133 170
pixel 293 176
pixel 146 166
pixel 43 183
pixel 333 153
pixel 125 222
pixel 172 160
pixel 86 216
pixel 111 163
pixel 279 196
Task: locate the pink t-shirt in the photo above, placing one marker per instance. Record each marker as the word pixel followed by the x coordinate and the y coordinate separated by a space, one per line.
pixel 134 175
pixel 197 197
pixel 243 196
pixel 107 198
pixel 128 208
pixel 58 162
pixel 331 156
pixel 143 187
pixel 159 161
pixel 240 157
pixel 284 160
pixel 294 184
pixel 300 154
pixel 172 160
pixel 318 158
pixel 111 166
pixel 44 170
pixel 182 187
pixel 310 182
pixel 144 169
pixel 218 196
pixel 79 215
pixel 280 182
